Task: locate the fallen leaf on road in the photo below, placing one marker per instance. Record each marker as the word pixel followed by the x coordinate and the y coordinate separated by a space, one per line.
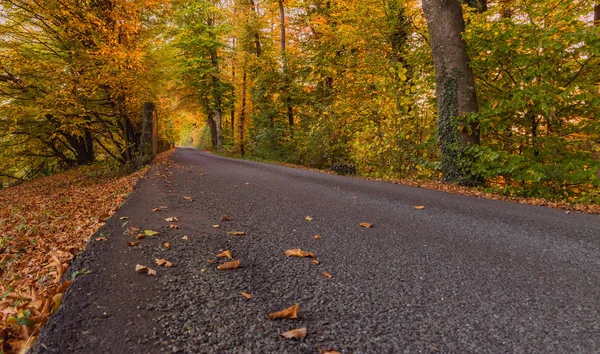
pixel 100 238
pixel 141 236
pixel 246 295
pixel 229 265
pixel 151 233
pixel 185 238
pixel 188 198
pixel 226 253
pixel 123 218
pixel 327 275
pixel 420 207
pixel 173 226
pixel 134 243
pixel 167 245
pixel 298 333
pixel 236 186
pixel 308 218
pixel 315 262
pixel 202 270
pixel 156 209
pixel 236 233
pixel 290 312
pixel 317 237
pixel 366 225
pixel 172 219
pixel 144 270
pixel 161 262
pixel 210 261
pixel 328 351
pixel 215 226
pixel 224 218
pixel 297 252
pixel 133 230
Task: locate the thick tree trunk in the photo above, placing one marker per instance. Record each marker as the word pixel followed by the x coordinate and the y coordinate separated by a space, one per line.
pixel 219 122
pixel 455 86
pixel 213 131
pixel 597 14
pixel 286 78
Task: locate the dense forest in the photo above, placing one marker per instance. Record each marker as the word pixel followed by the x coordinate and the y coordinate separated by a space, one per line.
pixel 497 94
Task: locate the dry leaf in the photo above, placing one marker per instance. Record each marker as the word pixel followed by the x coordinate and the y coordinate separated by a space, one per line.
pixel 327 275
pixel 315 262
pixel 236 233
pixel 155 210
pixel 226 253
pixel 161 262
pixel 297 252
pixel 420 207
pixel 188 198
pixel 134 243
pixel 246 295
pixel 144 270
pixel 133 230
pixel 248 183
pixel 172 219
pixel 308 218
pixel 290 312
pixel 215 226
pixel 185 238
pixel 141 236
pixel 210 261
pixel 101 239
pixel 229 265
pixel 297 333
pixel 224 218
pixel 236 186
pixel 328 351
pixel 123 218
pixel 366 225
pixel 151 233
pixel 173 226
pixel 317 237
pixel 167 245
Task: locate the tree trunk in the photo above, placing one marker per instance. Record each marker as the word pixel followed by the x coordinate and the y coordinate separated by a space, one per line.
pixel 218 118
pixel 242 114
pixel 288 100
pixel 455 86
pixel 597 14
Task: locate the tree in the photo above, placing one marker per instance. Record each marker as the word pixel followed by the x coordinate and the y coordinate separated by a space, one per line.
pixel 455 87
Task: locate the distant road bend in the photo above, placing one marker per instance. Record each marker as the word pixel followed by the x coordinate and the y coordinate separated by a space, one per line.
pixel 462 275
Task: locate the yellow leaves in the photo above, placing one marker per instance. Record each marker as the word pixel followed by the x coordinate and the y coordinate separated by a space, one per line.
pixel 246 295
pixel 308 218
pixel 216 226
pixel 151 233
pixel 226 253
pixel 235 233
pixel 298 334
pixel 290 312
pixel 420 207
pixel 142 269
pixel 229 265
pixel 297 252
pixel 161 262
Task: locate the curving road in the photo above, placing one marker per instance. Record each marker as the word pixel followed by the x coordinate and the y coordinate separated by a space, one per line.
pixel 463 275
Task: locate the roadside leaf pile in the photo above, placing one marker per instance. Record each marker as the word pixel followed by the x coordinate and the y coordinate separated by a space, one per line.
pixel 43 224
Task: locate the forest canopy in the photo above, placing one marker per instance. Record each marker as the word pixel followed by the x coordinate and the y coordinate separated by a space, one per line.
pixel 349 85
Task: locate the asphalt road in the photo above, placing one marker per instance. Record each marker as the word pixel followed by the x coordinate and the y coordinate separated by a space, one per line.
pixel 462 275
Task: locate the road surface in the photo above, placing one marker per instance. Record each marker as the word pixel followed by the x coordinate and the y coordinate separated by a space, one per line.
pixel 462 275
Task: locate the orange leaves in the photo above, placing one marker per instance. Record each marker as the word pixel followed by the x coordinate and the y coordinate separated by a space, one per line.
pixel 132 244
pixel 226 253
pixel 297 252
pixel 308 218
pixel 246 295
pixel 419 207
pixel 142 269
pixel 100 238
pixel 327 275
pixel 188 198
pixel 316 262
pixel 173 226
pixel 290 312
pixel 224 218
pixel 229 265
pixel 366 225
pixel 317 237
pixel 172 219
pixel 298 334
pixel 167 245
pixel 161 262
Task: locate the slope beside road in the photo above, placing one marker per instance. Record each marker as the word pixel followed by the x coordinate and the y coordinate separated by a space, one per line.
pixel 463 274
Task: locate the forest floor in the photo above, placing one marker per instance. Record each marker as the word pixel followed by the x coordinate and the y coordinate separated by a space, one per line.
pixel 386 268
pixel 44 223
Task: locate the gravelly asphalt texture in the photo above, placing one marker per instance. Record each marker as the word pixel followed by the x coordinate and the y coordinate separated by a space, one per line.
pixel 463 275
